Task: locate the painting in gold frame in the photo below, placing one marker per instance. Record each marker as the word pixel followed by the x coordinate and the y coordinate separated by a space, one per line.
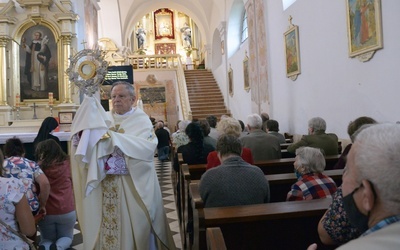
pixel 292 53
pixel 364 28
pixel 246 73
pixel 38 70
pixel 164 24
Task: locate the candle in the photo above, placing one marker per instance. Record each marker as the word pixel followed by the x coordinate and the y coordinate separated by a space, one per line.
pixel 17 100
pixel 50 98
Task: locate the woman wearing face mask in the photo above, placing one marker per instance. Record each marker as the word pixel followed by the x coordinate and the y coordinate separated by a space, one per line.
pixel 311 183
pixel 334 228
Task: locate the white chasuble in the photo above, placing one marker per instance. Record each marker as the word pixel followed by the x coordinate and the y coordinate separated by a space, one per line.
pixel 117 211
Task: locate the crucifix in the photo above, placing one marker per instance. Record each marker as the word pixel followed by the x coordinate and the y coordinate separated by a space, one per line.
pixel 84 43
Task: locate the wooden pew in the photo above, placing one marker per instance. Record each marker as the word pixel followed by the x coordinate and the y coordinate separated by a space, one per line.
pixel 180 199
pixel 285 154
pixel 215 239
pixel 279 184
pixel 280 225
pixel 278 166
pixel 285 145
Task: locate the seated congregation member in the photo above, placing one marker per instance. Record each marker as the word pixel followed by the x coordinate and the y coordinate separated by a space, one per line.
pixel 176 129
pixel 29 172
pixel 334 228
pixel 234 182
pixel 205 127
pixel 317 138
pixel 370 188
pixel 263 146
pixel 244 130
pixel 164 142
pixel 351 129
pixel 212 121
pixel 265 117
pixel 15 212
pixel 273 129
pixel 195 152
pixel 228 126
pixel 57 227
pixel 180 138
pixel 311 183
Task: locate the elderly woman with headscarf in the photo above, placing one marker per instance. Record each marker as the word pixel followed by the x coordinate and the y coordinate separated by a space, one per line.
pixel 311 183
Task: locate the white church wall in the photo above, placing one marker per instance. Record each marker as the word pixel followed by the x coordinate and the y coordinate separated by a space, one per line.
pixel 109 21
pixel 331 84
pixel 240 103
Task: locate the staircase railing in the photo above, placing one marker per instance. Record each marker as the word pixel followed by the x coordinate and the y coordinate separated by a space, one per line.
pixel 166 61
pixel 183 93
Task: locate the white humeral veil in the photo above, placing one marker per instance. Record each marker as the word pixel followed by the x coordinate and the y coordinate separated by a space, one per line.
pixel 140 191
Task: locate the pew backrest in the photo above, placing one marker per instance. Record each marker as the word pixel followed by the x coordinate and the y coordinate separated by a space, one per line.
pixel 215 239
pixel 279 225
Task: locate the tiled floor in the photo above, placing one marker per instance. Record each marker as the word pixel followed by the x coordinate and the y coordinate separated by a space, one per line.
pixel 164 177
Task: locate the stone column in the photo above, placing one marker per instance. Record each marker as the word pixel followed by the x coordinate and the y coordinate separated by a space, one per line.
pixel 3 71
pixel 66 88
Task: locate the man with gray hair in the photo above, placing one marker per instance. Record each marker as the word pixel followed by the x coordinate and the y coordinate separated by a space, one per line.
pixel 317 138
pixel 371 188
pixel 263 146
pixel 235 182
pixel 117 193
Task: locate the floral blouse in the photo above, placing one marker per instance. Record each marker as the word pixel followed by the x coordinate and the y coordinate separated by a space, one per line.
pixel 11 192
pixel 25 170
pixel 336 223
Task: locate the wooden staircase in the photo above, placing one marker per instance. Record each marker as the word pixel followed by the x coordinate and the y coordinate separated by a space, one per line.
pixel 205 97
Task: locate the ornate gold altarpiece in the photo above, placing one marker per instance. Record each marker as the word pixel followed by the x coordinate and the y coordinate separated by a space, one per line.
pixel 16 19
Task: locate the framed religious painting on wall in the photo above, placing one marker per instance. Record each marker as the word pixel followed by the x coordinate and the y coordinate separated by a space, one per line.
pixel 230 81
pixel 164 24
pixel 292 52
pixel 246 73
pixel 364 28
pixel 38 64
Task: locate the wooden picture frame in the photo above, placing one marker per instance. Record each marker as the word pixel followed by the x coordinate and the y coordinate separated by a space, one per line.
pixel 230 81
pixel 246 76
pixel 38 70
pixel 292 51
pixel 164 24
pixel 66 117
pixel 364 28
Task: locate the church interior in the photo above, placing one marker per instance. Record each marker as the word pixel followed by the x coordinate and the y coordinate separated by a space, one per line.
pixel 293 59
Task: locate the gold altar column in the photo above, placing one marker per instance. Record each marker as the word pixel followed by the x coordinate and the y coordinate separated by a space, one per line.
pixel 3 71
pixel 66 53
